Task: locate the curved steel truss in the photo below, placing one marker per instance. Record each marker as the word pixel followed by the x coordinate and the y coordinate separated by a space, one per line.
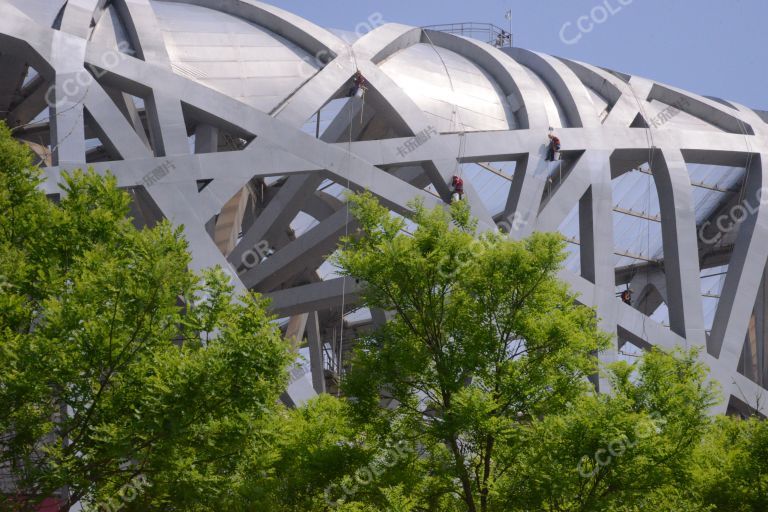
pixel 206 133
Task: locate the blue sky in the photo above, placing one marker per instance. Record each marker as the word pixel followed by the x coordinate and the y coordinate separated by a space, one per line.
pixel 712 47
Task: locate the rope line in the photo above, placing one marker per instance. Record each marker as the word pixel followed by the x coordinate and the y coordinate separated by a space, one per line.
pixel 457 124
pixel 651 154
pixel 346 221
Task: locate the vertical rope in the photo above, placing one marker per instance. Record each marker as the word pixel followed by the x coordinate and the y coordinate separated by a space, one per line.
pixel 346 223
pixel 456 121
pixel 651 153
pixel 750 155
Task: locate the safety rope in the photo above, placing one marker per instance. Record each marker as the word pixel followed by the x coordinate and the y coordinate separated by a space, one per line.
pixel 346 221
pixel 651 153
pixel 750 155
pixel 457 124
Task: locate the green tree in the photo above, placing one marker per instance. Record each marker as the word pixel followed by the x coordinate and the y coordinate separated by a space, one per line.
pixel 484 339
pixel 126 380
pixel 632 450
pixel 321 460
pixel 312 450
pixel 731 470
pixel 116 361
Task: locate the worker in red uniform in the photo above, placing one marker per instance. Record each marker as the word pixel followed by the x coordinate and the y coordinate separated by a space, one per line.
pixel 458 187
pixel 626 297
pixel 357 84
pixel 554 147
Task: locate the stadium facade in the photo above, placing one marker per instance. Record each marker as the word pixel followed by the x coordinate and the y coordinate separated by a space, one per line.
pixel 234 119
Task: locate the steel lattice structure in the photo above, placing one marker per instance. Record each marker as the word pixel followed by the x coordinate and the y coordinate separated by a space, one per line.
pixel 215 115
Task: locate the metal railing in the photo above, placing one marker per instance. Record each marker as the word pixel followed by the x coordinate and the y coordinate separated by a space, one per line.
pixel 486 32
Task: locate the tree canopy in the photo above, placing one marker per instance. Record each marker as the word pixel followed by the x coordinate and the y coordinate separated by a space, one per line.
pixel 108 369
pixel 484 337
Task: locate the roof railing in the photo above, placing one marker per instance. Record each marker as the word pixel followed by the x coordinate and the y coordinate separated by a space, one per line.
pixel 486 32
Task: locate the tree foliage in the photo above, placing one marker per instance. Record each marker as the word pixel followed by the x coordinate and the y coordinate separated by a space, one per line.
pixel 109 366
pixel 485 338
pixel 731 470
pixel 128 382
pixel 631 450
pixel 484 368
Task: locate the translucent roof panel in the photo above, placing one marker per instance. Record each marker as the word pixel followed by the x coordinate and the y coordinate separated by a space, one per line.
pixel 630 352
pixel 573 258
pixel 712 186
pixel 712 280
pixel 492 182
pixel 661 315
pixel 636 226
pixel 31 75
pixel 327 114
pixel 705 202
pixel 333 188
pixel 327 270
pixel 303 223
pixel 720 176
pixel 570 225
pixel 358 316
pixel 636 218
pixel 569 228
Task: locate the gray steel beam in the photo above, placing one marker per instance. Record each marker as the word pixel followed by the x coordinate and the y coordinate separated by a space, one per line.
pixel 315 296
pixel 303 253
pixel 316 353
pixel 681 262
pixel 747 261
pixel 597 249
pixel 14 70
pixel 280 211
pixel 281 149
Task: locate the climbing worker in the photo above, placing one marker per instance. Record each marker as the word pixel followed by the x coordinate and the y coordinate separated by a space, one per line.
pixel 458 188
pixel 554 146
pixel 626 297
pixel 358 85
